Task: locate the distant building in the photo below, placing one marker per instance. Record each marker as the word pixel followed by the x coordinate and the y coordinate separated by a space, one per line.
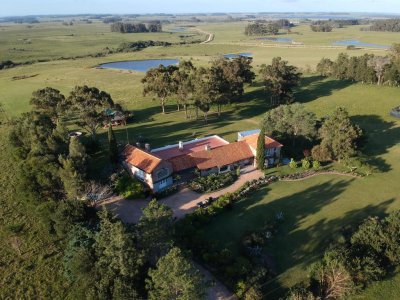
pixel 208 155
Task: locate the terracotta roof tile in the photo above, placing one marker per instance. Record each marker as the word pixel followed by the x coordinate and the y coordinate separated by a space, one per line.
pixel 183 162
pixel 251 140
pixel 140 158
pixel 221 156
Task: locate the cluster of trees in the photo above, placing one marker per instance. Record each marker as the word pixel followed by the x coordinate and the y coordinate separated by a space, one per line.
pixel 392 25
pixel 200 88
pixel 338 137
pixel 261 28
pixel 109 20
pixel 103 258
pixel 367 68
pixel 363 256
pixel 335 139
pixel 135 28
pixel 321 26
pixel 108 260
pixel 6 64
pixel 140 45
pixel 280 79
pixel 329 25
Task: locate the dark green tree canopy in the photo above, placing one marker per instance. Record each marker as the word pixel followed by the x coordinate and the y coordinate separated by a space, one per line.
pixel 49 100
pixel 279 79
pixel 88 105
pixel 175 278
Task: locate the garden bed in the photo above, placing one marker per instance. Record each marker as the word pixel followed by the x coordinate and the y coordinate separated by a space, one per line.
pixel 213 182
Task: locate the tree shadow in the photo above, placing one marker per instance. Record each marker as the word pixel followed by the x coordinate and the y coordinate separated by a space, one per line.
pixel 297 244
pixel 314 87
pixel 379 137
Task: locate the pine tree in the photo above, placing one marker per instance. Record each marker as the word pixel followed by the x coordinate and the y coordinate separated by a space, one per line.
pixel 77 153
pixel 260 157
pixel 113 147
pixel 175 278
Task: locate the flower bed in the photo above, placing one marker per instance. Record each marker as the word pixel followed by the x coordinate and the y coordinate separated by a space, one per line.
pixel 303 175
pixel 213 182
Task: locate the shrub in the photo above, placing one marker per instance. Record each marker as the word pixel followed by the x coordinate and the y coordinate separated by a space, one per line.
pixel 321 153
pixel 316 165
pixel 292 164
pixel 305 163
pixel 167 192
pixel 129 187
pixel 212 182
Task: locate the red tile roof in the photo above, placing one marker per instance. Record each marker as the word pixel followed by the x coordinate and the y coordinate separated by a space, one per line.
pixel 222 156
pixel 169 152
pixel 251 140
pixel 140 158
pixel 183 162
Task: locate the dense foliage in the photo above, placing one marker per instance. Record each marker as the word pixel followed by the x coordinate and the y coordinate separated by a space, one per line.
pixel 129 188
pixel 321 26
pixel 136 28
pixel 212 182
pixel 260 153
pixel 367 68
pixel 259 28
pixel 338 137
pixel 279 79
pixel 361 256
pixel 392 25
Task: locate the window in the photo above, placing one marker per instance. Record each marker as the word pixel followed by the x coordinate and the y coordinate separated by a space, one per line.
pixel 139 173
pixel 162 173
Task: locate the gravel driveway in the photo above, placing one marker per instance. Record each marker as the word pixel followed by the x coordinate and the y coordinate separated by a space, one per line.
pixel 182 203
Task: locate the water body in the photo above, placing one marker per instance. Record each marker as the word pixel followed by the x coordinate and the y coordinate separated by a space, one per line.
pixel 359 43
pixel 178 29
pixel 232 55
pixel 277 40
pixel 140 65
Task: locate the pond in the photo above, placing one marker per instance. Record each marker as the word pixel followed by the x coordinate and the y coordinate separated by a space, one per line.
pixel 359 43
pixel 237 55
pixel 277 39
pixel 177 29
pixel 139 65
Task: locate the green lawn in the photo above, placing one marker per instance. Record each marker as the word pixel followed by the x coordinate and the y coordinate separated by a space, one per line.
pixel 315 209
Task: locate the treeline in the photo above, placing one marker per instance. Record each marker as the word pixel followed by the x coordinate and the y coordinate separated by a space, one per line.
pixel 136 28
pixel 7 64
pixel 392 25
pixel 200 88
pixel 262 28
pixel 361 256
pixel 367 68
pixel 329 25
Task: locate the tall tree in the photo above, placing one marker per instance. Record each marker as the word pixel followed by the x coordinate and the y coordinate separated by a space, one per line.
pixel 206 92
pixel 338 135
pixel 155 227
pixel 175 278
pixel 88 105
pixel 184 81
pixel 260 157
pixel 280 78
pixel 112 145
pixel 159 82
pixel 50 101
pixel 118 261
pixel 379 63
pixel 290 120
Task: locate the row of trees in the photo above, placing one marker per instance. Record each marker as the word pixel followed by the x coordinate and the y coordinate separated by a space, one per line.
pixel 123 27
pixel 367 68
pixel 222 83
pixel 392 25
pixel 201 88
pixel 321 26
pixel 364 255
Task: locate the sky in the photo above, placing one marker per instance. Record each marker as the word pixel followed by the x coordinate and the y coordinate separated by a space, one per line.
pixel 34 7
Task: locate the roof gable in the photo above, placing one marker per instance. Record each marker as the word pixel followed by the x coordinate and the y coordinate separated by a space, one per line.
pixel 141 159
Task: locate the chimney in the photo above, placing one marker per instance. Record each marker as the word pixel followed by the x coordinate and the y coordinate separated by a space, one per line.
pixel 147 147
pixel 180 145
pixel 138 145
pixel 207 147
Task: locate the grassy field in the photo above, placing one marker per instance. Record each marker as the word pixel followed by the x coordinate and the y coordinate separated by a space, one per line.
pixel 315 209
